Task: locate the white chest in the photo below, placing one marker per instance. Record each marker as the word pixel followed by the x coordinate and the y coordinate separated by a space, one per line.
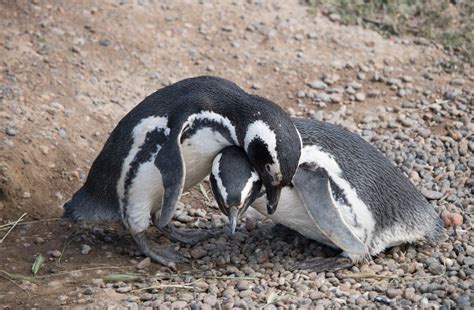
pixel 198 152
pixel 292 213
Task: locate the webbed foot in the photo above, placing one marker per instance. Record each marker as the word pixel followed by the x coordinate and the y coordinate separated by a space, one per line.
pixel 188 236
pixel 157 253
pixel 329 264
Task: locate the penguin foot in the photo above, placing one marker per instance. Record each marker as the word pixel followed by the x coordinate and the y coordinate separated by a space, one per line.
pixel 157 253
pixel 320 264
pixel 188 236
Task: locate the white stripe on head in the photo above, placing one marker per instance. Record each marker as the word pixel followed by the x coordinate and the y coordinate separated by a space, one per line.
pixel 362 214
pixel 212 116
pixel 248 187
pixel 261 130
pixel 215 173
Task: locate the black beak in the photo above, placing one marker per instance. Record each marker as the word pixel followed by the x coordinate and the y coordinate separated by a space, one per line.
pixel 233 218
pixel 273 196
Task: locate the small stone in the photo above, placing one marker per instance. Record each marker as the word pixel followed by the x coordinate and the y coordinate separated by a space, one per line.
pixel 407 79
pixel 432 195
pixel 26 195
pixel 85 249
pixel 457 82
pixel 334 17
pixel 436 268
pixel 373 93
pixel 44 149
pixel 39 240
pixel 392 293
pixel 124 289
pixel 11 132
pixel 211 300
pixel 145 263
pixel 104 42
pixel 198 252
pixel 469 261
pixel 319 85
pixel 88 291
pixel 210 67
pixel 451 219
pixel 55 253
pixel 243 285
pixel 62 133
pixel 177 305
pixel 360 97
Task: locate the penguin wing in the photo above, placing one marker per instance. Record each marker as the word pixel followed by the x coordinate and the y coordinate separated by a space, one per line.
pixel 314 190
pixel 171 165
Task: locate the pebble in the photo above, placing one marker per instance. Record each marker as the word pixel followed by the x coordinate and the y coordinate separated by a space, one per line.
pixel 55 253
pixel 433 195
pixel 360 97
pixel 145 263
pixel 318 85
pixel 11 132
pixel 85 249
pixel 198 252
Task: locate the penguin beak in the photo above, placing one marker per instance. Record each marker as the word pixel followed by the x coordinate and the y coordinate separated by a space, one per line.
pixel 233 218
pixel 273 196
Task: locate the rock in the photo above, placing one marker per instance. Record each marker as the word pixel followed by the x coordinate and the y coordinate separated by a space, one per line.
pixel 198 252
pixel 39 240
pixel 334 17
pixel 88 291
pixel 436 268
pixel 104 42
pixel 177 305
pixel 124 289
pixel 451 219
pixel 432 195
pixel 243 285
pixel 457 82
pixel 211 300
pixel 55 253
pixel 85 249
pixel 360 97
pixel 11 132
pixel 145 263
pixel 210 67
pixel 319 85
pixel 469 261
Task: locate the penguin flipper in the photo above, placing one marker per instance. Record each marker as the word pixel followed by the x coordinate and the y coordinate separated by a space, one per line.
pixel 171 165
pixel 314 190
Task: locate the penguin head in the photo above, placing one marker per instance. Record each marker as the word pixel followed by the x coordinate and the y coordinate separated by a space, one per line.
pixel 234 183
pixel 274 156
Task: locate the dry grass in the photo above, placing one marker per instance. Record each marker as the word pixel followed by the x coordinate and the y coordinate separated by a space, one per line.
pixel 450 23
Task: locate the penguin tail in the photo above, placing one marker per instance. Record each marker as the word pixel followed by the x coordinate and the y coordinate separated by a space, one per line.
pixel 83 207
pixel 435 233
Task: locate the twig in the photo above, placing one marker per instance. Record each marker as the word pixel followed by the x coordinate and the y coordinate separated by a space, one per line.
pixel 66 243
pixel 22 277
pixel 13 226
pixel 5 226
pixel 162 286
pixel 8 279
pixel 362 275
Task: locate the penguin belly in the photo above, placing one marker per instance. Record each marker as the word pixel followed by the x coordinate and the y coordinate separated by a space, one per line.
pixel 292 214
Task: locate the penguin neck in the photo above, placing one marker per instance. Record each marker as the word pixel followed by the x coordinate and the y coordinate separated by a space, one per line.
pixel 205 135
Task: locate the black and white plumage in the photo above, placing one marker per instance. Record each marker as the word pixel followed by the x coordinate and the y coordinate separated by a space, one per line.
pixel 166 144
pixel 345 194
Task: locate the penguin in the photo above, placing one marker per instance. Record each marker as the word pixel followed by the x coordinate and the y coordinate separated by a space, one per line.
pixel 345 194
pixel 167 143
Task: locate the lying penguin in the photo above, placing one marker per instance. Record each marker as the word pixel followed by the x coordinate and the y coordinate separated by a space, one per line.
pixel 166 144
pixel 345 194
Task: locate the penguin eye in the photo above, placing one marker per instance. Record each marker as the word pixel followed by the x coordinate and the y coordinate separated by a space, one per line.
pixel 268 167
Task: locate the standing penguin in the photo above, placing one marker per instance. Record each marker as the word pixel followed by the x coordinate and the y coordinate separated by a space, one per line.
pixel 166 144
pixel 345 194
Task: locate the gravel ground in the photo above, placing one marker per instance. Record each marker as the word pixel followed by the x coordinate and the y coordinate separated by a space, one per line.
pixel 70 71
